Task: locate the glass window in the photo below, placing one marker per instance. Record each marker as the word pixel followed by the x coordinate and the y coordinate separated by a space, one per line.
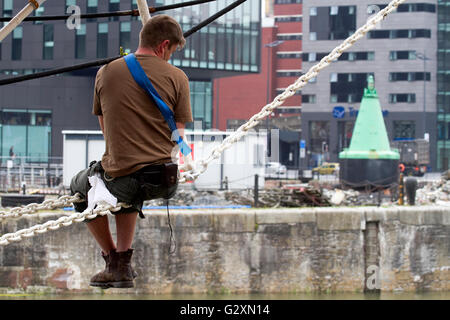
pixel 14 140
pixel 80 42
pixel 92 8
pixel 17 43
pixel 333 77
pixel 293 36
pixel 7 8
pixel 15 117
pixel 345 132
pixel 319 133
pixel 7 4
pixel 135 7
pixel 289 73
pixel 102 40
pixel 38 13
pixel 48 42
pixel 402 98
pixel 201 102
pixel 378 34
pixel 441 130
pixel 334 10
pixel 26 133
pixel 125 36
pixel 400 34
pixel 70 3
pixel 313 11
pixel 114 5
pixel 309 98
pixel 38 143
pixel 404 129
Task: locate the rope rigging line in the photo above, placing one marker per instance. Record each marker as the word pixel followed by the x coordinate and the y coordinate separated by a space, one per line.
pixel 142 7
pixel 25 12
pixel 101 62
pixel 133 13
pixel 194 173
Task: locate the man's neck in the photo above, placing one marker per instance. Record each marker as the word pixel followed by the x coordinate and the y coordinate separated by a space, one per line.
pixel 146 51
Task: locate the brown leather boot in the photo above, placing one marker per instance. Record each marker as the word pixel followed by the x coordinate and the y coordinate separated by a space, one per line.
pixel 120 267
pixel 118 272
pixel 102 278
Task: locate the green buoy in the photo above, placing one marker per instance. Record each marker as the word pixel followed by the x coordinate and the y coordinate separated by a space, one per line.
pixel 369 161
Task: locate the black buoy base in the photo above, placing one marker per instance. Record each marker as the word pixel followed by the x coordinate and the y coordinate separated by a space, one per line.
pixel 362 173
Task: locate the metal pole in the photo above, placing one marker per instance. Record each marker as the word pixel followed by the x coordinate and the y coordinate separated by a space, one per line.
pixel 401 191
pixel 424 92
pixel 256 190
pixel 268 99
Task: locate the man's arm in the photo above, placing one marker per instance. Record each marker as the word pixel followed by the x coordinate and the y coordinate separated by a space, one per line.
pixel 180 127
pixel 100 121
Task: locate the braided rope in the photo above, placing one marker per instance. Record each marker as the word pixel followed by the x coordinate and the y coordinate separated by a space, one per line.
pixel 193 173
pixel 193 170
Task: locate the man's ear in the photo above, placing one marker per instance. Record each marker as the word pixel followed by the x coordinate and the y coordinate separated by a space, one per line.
pixel 165 44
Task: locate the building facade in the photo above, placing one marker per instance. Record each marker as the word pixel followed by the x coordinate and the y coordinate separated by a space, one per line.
pixel 400 53
pixel 34 113
pixel 238 98
pixel 443 83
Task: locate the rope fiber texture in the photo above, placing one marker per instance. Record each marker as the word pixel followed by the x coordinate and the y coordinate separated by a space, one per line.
pixel 194 170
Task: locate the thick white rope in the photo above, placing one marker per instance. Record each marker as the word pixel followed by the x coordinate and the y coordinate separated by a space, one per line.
pixel 192 174
pixel 201 166
pixel 14 22
pixel 143 11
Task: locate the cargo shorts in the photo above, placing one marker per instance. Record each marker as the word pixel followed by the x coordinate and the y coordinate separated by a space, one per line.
pixel 151 182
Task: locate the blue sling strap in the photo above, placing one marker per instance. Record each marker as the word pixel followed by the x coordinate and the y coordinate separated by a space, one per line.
pixel 141 78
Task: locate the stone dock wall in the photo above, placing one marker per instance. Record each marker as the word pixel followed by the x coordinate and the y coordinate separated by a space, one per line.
pixel 246 251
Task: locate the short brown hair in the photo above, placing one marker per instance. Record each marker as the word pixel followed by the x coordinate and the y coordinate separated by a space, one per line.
pixel 159 28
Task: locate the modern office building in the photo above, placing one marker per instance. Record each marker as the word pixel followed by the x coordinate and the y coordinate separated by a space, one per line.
pixel 238 98
pixel 443 84
pixel 34 113
pixel 400 53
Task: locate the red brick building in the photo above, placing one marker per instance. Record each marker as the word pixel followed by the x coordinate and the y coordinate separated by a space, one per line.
pixel 236 99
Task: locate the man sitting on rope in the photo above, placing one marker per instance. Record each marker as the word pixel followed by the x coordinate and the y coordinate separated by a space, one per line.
pixel 137 164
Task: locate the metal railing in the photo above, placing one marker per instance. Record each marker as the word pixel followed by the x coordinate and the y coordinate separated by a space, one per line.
pixel 19 172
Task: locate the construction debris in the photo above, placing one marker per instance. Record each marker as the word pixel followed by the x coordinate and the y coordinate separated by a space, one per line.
pixel 306 195
pixel 435 192
pixel 273 198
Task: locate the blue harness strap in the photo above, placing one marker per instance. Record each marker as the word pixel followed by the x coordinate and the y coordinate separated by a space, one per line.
pixel 141 78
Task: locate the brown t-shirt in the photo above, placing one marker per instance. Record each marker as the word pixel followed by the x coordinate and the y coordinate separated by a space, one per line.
pixel 136 133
